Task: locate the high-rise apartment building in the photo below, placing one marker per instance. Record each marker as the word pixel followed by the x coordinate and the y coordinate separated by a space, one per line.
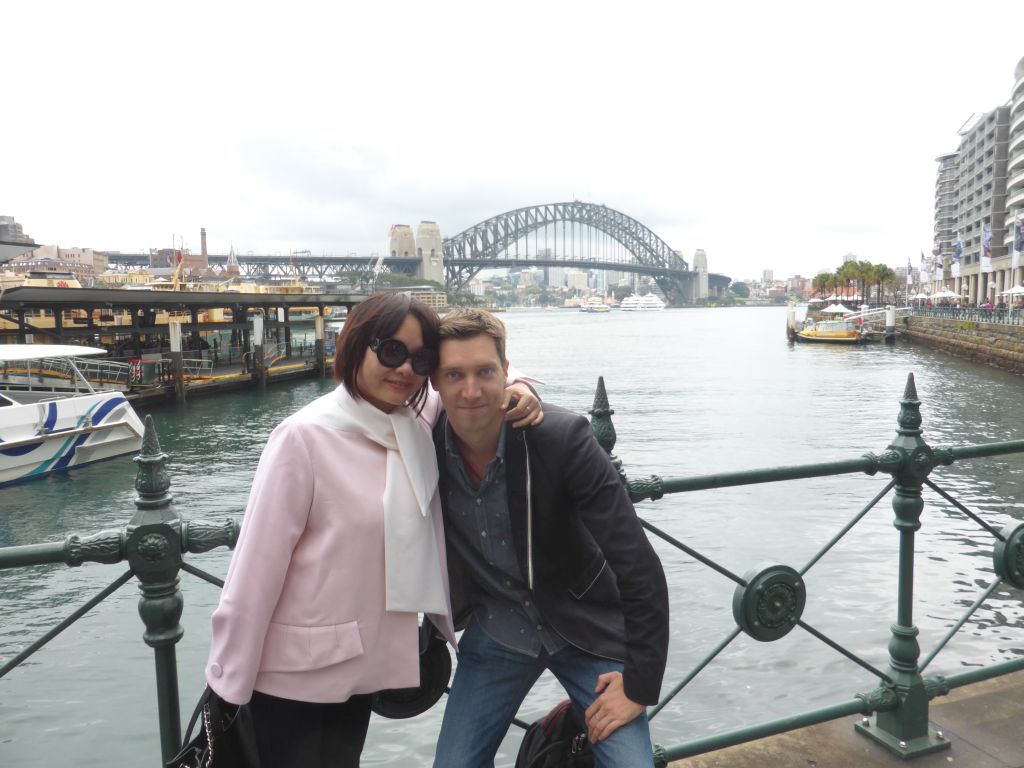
pixel 946 197
pixel 984 182
pixel 1015 167
pixel 982 200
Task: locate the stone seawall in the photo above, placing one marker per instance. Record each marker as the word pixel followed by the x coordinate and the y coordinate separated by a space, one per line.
pixel 1001 346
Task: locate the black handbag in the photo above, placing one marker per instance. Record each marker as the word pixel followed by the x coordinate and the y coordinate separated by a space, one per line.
pixel 435 672
pixel 557 740
pixel 226 737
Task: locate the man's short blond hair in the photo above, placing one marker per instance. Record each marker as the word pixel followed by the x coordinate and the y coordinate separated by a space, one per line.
pixel 467 323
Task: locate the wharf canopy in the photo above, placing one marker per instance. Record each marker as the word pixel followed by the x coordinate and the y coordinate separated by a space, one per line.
pixel 77 315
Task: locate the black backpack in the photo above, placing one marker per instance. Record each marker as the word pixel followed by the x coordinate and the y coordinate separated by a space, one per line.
pixel 557 740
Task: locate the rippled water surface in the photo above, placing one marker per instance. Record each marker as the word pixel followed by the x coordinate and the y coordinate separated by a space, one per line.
pixel 694 392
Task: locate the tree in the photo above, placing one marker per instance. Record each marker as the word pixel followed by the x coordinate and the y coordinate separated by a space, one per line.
pixel 740 289
pixel 845 275
pixel 882 276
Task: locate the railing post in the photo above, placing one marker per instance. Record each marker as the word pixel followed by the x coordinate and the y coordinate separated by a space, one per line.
pixel 154 553
pixel 905 730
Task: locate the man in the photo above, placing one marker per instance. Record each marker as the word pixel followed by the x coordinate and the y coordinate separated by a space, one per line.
pixel 549 567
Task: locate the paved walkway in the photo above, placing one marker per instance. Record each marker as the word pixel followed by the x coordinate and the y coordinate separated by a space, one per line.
pixel 982 721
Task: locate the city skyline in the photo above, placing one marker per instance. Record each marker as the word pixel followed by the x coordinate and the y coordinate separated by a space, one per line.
pixel 769 144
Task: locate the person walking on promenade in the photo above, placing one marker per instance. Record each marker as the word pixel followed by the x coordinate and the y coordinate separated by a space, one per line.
pixel 341 547
pixel 548 565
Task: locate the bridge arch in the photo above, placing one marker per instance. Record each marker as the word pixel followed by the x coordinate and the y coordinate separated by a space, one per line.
pixel 468 252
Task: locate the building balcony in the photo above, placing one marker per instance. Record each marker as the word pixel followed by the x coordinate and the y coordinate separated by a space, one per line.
pixel 1017 122
pixel 1016 198
pixel 1016 142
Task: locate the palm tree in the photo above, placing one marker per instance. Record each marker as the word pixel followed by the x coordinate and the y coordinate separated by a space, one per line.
pixel 883 277
pixel 845 275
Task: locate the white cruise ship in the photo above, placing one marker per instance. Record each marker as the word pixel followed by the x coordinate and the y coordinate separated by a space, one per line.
pixel 646 303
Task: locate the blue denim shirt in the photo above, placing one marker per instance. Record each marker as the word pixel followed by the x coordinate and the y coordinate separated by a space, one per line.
pixel 480 530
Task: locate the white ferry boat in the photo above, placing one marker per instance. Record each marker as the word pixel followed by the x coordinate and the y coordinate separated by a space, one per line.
pixel 52 419
pixel 646 303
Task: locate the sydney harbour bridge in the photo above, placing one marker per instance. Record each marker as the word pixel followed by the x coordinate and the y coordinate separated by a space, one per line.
pixel 575 234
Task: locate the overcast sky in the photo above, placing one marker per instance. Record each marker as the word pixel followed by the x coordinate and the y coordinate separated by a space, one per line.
pixel 774 135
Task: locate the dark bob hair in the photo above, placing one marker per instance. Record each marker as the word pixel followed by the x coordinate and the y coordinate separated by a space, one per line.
pixel 379 317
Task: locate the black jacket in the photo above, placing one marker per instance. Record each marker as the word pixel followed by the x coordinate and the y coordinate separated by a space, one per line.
pixel 594 576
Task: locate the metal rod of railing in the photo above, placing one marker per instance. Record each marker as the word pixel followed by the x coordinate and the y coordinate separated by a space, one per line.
pixel 848 654
pixel 986 450
pixel 695 671
pixel 995 532
pixel 963 620
pixel 864 464
pixel 846 528
pixel 168 708
pixel 189 568
pixel 761 730
pixel 693 553
pixel 984 673
pixel 71 619
pixel 33 554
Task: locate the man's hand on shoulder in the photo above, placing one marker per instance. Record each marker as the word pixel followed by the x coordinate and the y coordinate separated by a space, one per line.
pixel 612 709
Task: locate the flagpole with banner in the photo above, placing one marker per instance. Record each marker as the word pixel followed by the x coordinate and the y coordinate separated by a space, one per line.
pixel 986 250
pixel 910 279
pixel 954 268
pixel 1018 249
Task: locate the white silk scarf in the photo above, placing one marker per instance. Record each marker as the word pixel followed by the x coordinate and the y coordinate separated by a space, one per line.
pixel 411 557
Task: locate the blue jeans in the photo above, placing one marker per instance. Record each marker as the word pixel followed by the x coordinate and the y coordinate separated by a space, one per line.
pixel 491 682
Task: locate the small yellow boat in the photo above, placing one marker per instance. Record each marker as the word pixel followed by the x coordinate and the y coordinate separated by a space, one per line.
pixel 828 332
pixel 849 335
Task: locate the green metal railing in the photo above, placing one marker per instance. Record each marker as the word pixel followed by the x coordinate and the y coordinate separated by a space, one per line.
pixel 153 542
pixel 767 603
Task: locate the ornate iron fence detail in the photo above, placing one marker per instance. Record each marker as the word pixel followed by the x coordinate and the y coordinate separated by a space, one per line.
pixel 767 604
pixel 153 542
pixel 769 599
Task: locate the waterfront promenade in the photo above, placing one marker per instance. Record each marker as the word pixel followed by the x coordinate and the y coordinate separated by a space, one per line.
pixel 981 722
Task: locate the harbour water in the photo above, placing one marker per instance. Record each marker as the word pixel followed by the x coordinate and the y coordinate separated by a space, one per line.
pixel 694 392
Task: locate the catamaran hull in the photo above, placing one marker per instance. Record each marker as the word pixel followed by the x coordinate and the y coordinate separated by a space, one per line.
pixel 58 435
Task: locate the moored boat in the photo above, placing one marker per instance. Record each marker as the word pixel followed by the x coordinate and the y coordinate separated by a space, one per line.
pixel 63 425
pixel 829 332
pixel 646 303
pixel 594 304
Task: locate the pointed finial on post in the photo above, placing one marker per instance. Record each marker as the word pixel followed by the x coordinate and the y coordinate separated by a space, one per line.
pixel 910 392
pixel 600 418
pixel 909 420
pixel 152 481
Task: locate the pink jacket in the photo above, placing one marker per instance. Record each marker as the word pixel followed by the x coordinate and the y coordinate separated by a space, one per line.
pixel 302 612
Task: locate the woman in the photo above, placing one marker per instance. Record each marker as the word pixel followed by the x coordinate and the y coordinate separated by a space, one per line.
pixel 341 546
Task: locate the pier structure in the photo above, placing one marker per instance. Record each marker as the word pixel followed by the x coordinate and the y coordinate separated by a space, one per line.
pixel 884 725
pixel 173 342
pixel 130 318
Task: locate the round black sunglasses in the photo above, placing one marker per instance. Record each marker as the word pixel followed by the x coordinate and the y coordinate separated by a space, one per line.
pixel 392 353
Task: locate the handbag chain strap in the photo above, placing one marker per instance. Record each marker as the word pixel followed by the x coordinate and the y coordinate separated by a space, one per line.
pixel 207 760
